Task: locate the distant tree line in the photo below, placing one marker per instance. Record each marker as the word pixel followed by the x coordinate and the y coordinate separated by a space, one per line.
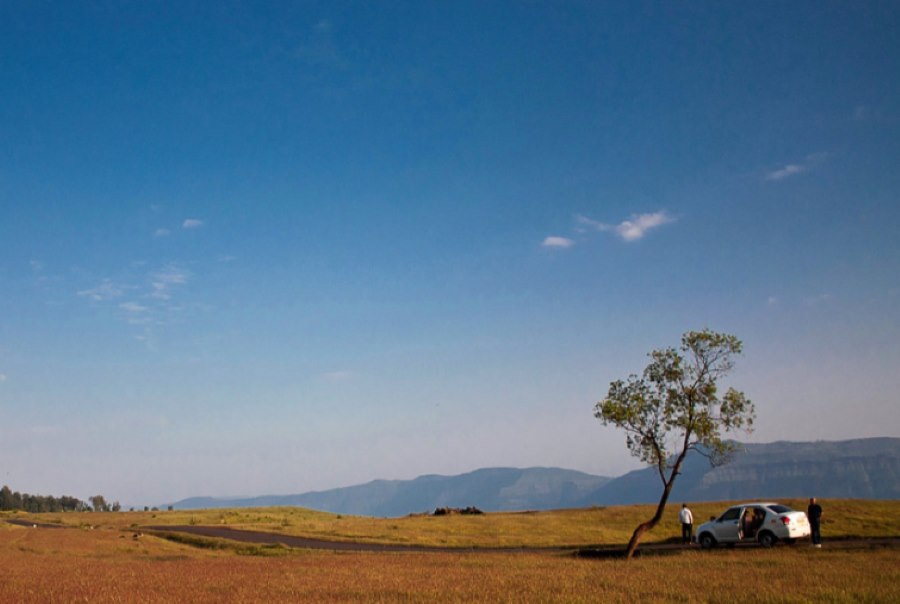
pixel 14 500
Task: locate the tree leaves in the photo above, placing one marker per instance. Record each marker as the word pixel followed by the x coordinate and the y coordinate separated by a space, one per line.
pixel 677 396
pixel 674 407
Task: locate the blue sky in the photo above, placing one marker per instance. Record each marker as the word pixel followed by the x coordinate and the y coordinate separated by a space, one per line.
pixel 250 250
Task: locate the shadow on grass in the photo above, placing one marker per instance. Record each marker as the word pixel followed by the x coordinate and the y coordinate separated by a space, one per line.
pixel 266 549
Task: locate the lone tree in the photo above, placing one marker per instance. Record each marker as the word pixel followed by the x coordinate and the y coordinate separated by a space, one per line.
pixel 675 408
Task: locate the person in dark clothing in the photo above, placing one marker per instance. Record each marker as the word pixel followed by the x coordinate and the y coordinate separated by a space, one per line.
pixel 814 513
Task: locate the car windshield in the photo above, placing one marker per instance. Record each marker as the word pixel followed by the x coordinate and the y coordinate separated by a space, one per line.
pixel 780 509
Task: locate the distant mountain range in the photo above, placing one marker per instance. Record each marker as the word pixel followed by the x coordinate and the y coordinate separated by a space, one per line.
pixel 490 489
pixel 863 468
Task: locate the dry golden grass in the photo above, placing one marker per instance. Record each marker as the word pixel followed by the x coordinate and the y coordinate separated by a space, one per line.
pixel 562 528
pixel 108 565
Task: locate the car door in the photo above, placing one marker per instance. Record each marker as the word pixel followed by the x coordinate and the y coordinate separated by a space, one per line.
pixel 728 527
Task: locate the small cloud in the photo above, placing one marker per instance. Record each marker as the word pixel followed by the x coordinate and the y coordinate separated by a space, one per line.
pixel 785 172
pixel 633 229
pixel 191 223
pixel 772 301
pixel 558 242
pixel 36 265
pixel 337 376
pixel 133 307
pixel 164 280
pixel 637 227
pixel 2 377
pixel 161 233
pixel 793 169
pixel 105 291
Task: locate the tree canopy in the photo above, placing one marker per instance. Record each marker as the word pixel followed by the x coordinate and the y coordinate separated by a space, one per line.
pixel 674 407
pixel 13 500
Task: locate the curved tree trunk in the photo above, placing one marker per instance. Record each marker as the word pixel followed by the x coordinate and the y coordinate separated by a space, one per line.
pixel 660 508
pixel 646 526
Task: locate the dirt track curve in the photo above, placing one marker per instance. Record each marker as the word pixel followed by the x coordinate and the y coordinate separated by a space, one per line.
pixel 263 538
pixel 259 537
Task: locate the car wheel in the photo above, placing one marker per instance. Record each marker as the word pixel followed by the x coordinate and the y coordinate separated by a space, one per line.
pixel 767 539
pixel 707 541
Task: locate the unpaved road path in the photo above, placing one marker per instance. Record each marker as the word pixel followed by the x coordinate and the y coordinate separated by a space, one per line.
pixel 264 538
pixel 259 537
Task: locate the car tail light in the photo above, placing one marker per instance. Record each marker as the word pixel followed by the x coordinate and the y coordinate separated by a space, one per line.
pixel 785 520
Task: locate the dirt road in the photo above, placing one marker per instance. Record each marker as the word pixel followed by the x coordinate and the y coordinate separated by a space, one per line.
pixel 259 537
pixel 263 538
pixel 600 552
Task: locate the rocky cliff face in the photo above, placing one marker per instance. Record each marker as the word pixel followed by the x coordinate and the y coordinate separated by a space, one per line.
pixel 864 468
pixel 861 477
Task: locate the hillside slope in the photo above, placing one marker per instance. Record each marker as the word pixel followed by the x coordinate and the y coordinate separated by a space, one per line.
pixel 490 489
pixel 863 468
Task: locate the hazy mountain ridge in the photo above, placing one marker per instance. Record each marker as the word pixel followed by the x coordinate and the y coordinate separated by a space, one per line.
pixel 490 489
pixel 861 468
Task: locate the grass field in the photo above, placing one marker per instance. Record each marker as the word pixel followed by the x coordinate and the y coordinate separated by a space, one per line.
pixel 107 564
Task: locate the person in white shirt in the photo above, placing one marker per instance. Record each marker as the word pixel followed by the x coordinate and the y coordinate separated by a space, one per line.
pixel 687 523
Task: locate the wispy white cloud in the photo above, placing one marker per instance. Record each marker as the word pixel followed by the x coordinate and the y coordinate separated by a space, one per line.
pixel 164 280
pixel 36 265
pixel 632 229
pixel 150 299
pixel 133 307
pixel 772 301
pixel 793 169
pixel 192 223
pixel 557 242
pixel 107 290
pixel 161 232
pixel 785 172
pixel 2 377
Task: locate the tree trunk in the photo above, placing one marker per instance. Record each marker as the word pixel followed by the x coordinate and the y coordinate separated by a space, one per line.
pixel 660 508
pixel 646 526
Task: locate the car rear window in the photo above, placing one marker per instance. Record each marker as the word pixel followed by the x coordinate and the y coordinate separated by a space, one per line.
pixel 731 514
pixel 780 509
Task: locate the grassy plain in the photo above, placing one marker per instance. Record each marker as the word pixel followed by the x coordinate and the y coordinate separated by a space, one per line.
pixel 561 528
pixel 107 564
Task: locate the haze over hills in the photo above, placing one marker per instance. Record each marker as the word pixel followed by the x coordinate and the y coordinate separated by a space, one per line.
pixel 863 468
pixel 489 489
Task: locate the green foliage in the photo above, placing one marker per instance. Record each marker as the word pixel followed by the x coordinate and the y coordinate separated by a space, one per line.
pixel 675 405
pixel 10 500
pixel 98 502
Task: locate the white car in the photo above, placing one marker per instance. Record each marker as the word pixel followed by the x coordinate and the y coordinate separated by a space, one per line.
pixel 765 522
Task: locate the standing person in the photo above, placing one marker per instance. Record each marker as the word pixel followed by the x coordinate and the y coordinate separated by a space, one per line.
pixel 814 513
pixel 687 523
